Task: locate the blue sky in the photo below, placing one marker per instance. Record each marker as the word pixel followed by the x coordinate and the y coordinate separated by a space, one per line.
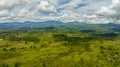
pixel 90 11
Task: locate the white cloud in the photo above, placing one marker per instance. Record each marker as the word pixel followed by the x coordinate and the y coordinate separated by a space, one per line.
pixel 25 13
pixel 111 13
pixel 4 13
pixel 46 7
pixel 8 4
pixel 115 1
pixel 105 11
pixel 90 16
pixel 96 11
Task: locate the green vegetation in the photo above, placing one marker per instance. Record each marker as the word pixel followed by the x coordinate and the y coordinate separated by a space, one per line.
pixel 54 48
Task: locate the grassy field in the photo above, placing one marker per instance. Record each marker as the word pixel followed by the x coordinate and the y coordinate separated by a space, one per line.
pixel 57 49
pixel 59 45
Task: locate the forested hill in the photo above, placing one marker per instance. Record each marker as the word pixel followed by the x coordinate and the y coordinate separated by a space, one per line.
pixel 13 25
pixel 60 26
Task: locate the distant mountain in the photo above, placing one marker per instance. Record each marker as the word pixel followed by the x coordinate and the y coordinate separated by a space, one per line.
pixel 59 25
pixel 35 24
pixel 112 25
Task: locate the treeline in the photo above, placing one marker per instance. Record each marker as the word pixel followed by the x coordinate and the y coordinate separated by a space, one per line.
pixel 77 41
pixel 72 41
pixel 26 39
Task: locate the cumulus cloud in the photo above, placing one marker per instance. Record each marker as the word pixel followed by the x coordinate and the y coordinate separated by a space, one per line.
pixel 8 4
pixel 25 13
pixel 112 12
pixel 46 7
pixel 4 13
pixel 91 11
pixel 105 10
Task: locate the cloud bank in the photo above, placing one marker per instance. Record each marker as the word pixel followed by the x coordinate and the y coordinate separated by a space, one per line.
pixel 90 11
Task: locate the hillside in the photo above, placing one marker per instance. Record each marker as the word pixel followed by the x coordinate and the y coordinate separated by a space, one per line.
pixel 58 44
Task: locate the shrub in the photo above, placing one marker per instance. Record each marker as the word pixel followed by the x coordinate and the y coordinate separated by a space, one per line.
pixel 5 49
pixel 12 49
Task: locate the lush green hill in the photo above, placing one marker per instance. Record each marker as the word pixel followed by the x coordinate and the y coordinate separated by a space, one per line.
pixel 57 44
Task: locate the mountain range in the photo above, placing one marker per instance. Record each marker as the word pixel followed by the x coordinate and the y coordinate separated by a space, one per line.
pixel 70 26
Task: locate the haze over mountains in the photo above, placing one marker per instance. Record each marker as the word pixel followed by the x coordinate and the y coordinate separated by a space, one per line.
pixel 50 23
pixel 61 26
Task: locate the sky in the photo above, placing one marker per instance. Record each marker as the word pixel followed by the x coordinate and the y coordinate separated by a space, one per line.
pixel 89 11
